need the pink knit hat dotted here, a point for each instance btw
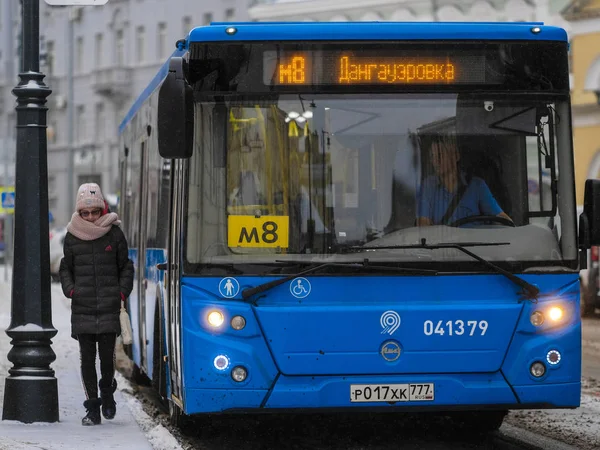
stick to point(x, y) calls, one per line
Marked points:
point(89, 195)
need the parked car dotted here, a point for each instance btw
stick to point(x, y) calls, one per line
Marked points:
point(57, 238)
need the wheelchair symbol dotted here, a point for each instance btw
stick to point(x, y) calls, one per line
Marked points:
point(300, 287)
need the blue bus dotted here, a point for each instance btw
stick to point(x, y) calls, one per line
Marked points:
point(358, 216)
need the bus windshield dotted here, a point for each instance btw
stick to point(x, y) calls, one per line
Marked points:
point(320, 177)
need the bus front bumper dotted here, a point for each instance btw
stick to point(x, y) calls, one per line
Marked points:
point(450, 392)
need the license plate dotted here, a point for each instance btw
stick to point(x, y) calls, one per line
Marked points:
point(391, 393)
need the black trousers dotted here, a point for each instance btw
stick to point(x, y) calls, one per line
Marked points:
point(105, 343)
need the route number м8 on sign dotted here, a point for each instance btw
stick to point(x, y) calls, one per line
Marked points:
point(258, 232)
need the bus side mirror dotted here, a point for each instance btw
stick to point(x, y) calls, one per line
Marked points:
point(175, 113)
point(589, 221)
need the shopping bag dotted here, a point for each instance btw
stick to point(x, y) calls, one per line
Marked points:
point(126, 332)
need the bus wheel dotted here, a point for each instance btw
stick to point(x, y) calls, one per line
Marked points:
point(481, 421)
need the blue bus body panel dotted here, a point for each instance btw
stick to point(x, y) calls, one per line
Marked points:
point(372, 31)
point(529, 345)
point(337, 328)
point(201, 345)
point(306, 352)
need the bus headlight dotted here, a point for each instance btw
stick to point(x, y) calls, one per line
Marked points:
point(556, 313)
point(215, 318)
point(553, 314)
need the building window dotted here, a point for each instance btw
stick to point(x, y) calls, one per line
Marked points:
point(207, 18)
point(161, 45)
point(229, 13)
point(81, 126)
point(100, 127)
point(79, 55)
point(120, 48)
point(50, 58)
point(186, 25)
point(98, 50)
point(139, 44)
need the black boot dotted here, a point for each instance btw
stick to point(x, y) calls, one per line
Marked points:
point(109, 407)
point(92, 406)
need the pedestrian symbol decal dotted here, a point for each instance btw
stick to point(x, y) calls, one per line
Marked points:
point(229, 287)
point(300, 287)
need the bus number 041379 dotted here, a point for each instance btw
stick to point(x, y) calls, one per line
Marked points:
point(456, 327)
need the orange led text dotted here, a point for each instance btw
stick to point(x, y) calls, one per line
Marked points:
point(390, 71)
point(293, 73)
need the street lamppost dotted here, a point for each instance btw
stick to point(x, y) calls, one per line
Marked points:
point(31, 391)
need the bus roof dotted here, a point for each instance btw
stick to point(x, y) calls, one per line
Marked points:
point(332, 31)
point(339, 31)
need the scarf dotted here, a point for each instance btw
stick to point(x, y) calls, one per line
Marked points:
point(89, 231)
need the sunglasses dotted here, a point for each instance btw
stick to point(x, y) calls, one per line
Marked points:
point(95, 212)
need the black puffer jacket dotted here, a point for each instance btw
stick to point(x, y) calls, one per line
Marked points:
point(94, 274)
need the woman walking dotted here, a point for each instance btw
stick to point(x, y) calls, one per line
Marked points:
point(96, 274)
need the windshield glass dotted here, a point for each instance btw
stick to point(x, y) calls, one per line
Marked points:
point(335, 176)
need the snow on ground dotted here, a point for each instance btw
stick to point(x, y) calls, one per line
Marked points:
point(70, 406)
point(158, 435)
point(578, 427)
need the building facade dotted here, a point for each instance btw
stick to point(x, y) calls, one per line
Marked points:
point(409, 10)
point(116, 49)
point(584, 19)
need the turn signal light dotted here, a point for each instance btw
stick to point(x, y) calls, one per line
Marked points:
point(238, 323)
point(537, 318)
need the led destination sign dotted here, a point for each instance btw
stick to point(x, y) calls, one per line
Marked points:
point(370, 68)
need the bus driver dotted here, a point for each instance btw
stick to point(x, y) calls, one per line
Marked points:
point(449, 195)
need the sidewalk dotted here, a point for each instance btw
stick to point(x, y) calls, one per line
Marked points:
point(121, 432)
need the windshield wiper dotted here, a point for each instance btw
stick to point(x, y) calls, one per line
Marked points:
point(248, 292)
point(529, 292)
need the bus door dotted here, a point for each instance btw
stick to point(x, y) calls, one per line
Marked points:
point(173, 280)
point(142, 276)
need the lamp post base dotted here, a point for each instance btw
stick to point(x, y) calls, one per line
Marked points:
point(30, 399)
